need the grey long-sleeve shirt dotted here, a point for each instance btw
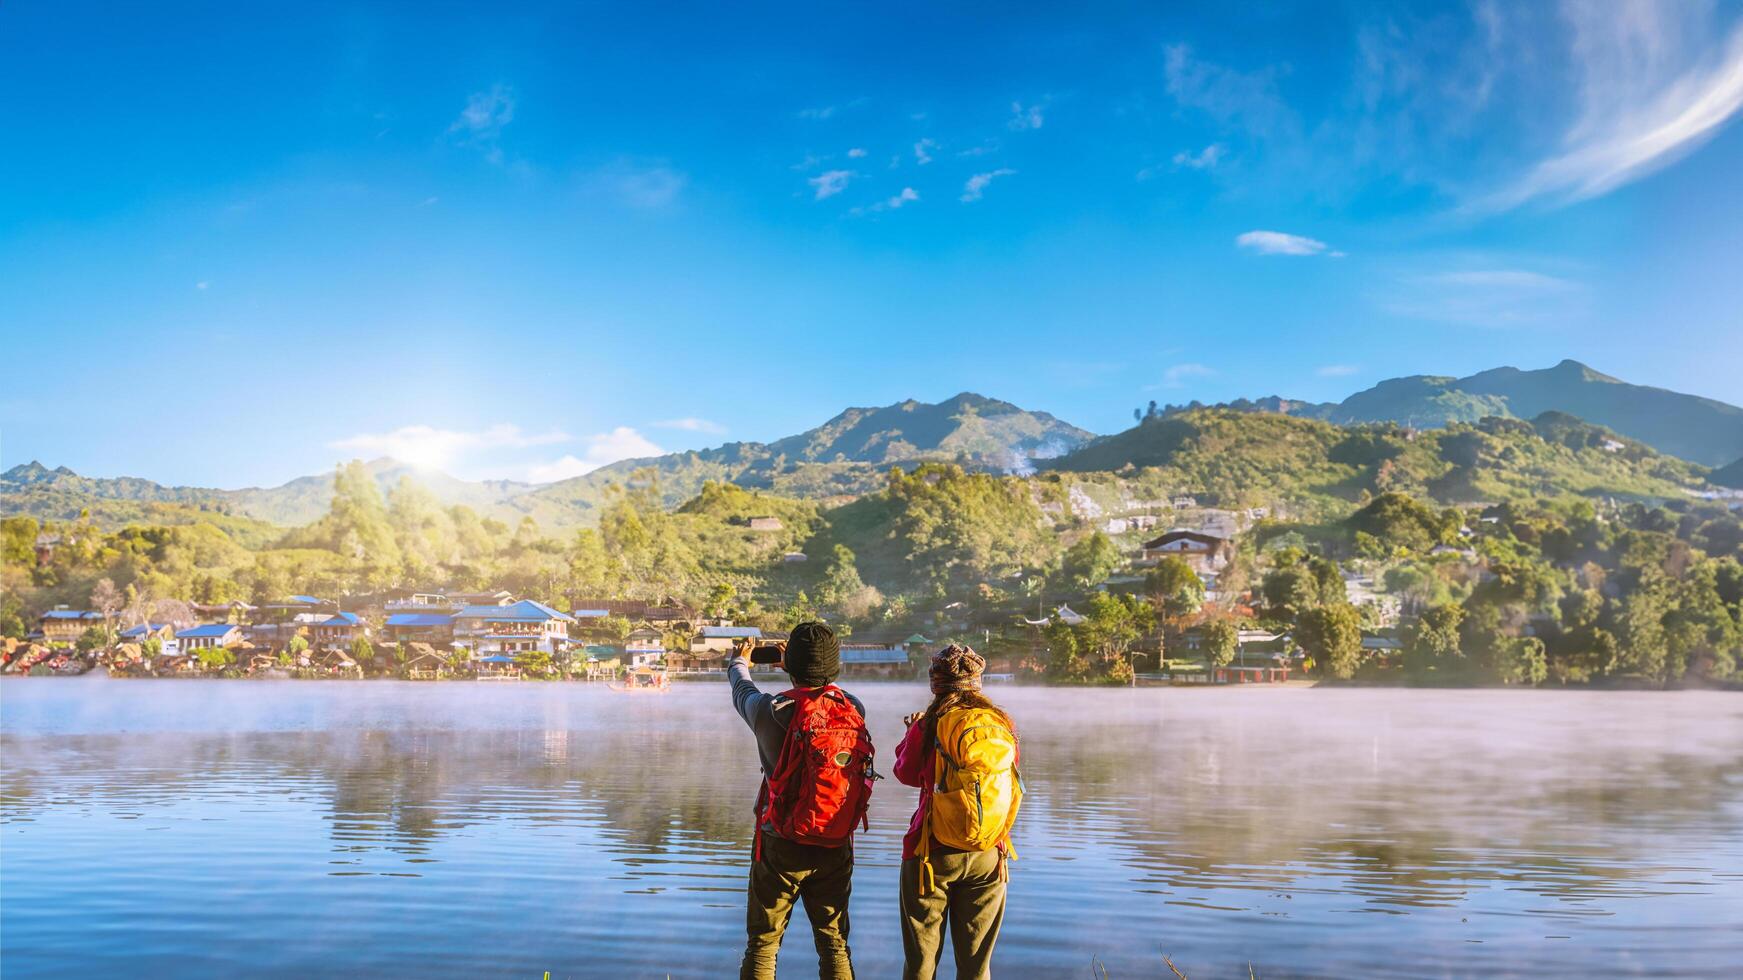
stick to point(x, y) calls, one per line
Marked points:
point(767, 715)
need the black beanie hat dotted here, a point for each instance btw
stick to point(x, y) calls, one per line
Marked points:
point(813, 656)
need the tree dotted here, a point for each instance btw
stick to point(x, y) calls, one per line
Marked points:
point(298, 647)
point(534, 662)
point(152, 648)
point(1090, 561)
point(1332, 636)
point(719, 599)
point(1289, 592)
point(215, 658)
point(1431, 644)
point(107, 600)
point(362, 652)
point(1221, 640)
point(1176, 588)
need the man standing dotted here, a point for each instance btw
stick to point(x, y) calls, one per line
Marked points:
point(817, 770)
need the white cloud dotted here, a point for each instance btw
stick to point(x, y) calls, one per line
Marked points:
point(1650, 94)
point(1202, 160)
point(433, 448)
point(1245, 99)
point(603, 449)
point(923, 151)
point(202, 285)
point(856, 153)
point(486, 113)
point(692, 424)
point(1026, 117)
point(830, 183)
point(1177, 375)
point(973, 188)
point(907, 196)
point(1283, 243)
point(1336, 370)
point(643, 186)
point(818, 113)
point(1497, 297)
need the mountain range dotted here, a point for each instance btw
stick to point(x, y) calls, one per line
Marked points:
point(1697, 429)
point(851, 453)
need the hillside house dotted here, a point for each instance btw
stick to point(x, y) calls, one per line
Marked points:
point(62, 627)
point(765, 524)
point(299, 610)
point(1207, 553)
point(887, 662)
point(663, 613)
point(46, 543)
point(505, 630)
point(645, 647)
point(433, 628)
point(710, 646)
point(501, 597)
point(421, 602)
point(339, 631)
point(207, 636)
point(163, 633)
point(234, 611)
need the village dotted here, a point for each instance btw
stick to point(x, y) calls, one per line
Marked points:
point(498, 635)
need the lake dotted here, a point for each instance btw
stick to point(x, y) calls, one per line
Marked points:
point(263, 829)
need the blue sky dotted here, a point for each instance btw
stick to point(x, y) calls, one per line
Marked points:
point(241, 242)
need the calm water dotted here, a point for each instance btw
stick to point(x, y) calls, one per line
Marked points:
point(223, 829)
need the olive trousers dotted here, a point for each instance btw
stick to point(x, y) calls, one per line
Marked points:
point(968, 893)
point(821, 878)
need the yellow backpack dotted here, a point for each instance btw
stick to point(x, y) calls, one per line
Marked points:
point(976, 787)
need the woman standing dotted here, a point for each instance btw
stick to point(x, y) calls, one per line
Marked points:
point(962, 754)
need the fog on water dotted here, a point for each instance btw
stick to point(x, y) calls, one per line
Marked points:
point(382, 828)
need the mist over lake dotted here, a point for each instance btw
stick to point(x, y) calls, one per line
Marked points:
point(282, 829)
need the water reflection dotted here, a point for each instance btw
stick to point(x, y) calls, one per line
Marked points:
point(459, 830)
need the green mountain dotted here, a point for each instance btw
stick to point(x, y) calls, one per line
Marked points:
point(1703, 430)
point(846, 456)
point(1235, 458)
point(1729, 475)
point(60, 494)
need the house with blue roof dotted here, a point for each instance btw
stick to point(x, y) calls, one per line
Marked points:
point(163, 633)
point(518, 627)
point(62, 627)
point(209, 635)
point(339, 631)
point(436, 629)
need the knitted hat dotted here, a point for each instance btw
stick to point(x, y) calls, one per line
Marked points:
point(813, 656)
point(955, 668)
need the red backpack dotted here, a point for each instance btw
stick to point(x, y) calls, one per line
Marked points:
point(822, 781)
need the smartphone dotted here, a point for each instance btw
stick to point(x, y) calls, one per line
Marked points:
point(765, 655)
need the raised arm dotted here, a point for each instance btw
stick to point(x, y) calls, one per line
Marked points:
point(746, 699)
point(913, 761)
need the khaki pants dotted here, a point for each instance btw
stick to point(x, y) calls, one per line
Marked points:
point(967, 891)
point(821, 878)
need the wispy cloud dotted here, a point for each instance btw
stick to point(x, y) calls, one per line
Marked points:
point(692, 424)
point(644, 186)
point(1336, 370)
point(1493, 297)
point(976, 185)
point(856, 152)
point(1026, 117)
point(1177, 375)
point(1246, 99)
point(923, 151)
point(1654, 88)
point(1283, 243)
point(427, 446)
point(202, 285)
point(481, 122)
point(825, 112)
point(830, 183)
point(486, 113)
point(1204, 159)
point(907, 196)
point(603, 449)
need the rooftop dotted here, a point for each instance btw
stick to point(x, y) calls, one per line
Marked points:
point(420, 619)
point(207, 630)
point(524, 611)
